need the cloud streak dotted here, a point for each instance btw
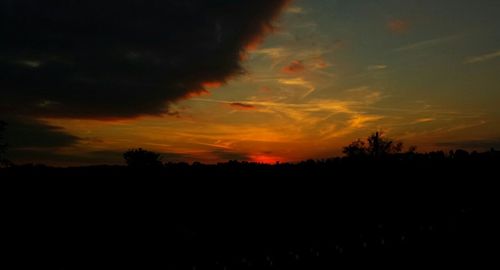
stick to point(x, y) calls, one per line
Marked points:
point(428, 43)
point(377, 67)
point(295, 10)
point(323, 119)
point(482, 58)
point(242, 106)
point(301, 82)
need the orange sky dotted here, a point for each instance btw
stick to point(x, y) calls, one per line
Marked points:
point(322, 79)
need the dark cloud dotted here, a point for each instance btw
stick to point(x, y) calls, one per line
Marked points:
point(31, 141)
point(31, 134)
point(242, 106)
point(54, 158)
point(116, 59)
point(472, 144)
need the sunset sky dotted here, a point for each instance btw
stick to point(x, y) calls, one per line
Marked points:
point(255, 80)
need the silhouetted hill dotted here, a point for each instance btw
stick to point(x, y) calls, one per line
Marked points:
point(401, 211)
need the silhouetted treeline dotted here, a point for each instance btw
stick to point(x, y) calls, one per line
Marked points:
point(405, 209)
point(148, 167)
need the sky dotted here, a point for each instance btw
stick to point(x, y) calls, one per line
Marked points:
point(254, 80)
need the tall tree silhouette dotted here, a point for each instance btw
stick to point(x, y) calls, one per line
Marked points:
point(379, 146)
point(140, 158)
point(376, 146)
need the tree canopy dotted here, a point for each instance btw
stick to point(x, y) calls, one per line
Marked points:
point(375, 146)
point(140, 158)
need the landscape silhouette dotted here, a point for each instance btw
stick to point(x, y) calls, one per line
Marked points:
point(249, 134)
point(376, 206)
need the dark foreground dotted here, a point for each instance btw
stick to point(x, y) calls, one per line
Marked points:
point(314, 215)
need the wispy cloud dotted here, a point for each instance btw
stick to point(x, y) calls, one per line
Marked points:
point(424, 120)
point(299, 82)
point(279, 55)
point(324, 119)
point(482, 58)
point(275, 53)
point(242, 106)
point(30, 63)
point(377, 67)
point(428, 43)
point(319, 63)
point(295, 10)
point(296, 66)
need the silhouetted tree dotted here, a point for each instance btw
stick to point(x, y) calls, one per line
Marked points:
point(379, 146)
point(376, 146)
point(140, 158)
point(355, 149)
